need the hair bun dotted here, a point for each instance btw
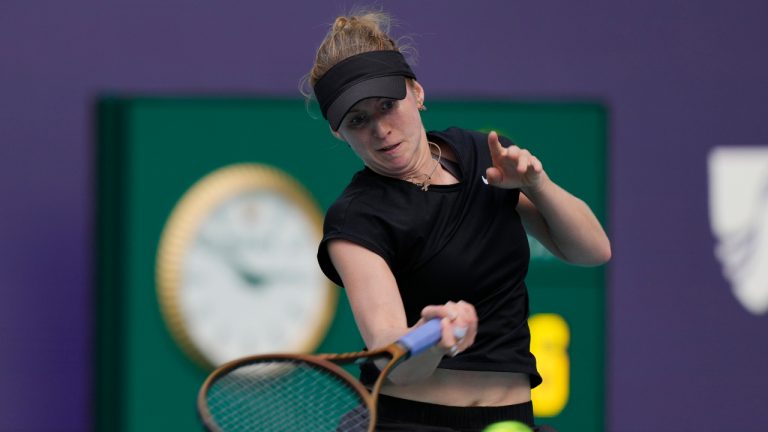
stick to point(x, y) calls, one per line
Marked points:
point(340, 23)
point(352, 34)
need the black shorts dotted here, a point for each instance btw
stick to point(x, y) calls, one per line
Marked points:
point(395, 414)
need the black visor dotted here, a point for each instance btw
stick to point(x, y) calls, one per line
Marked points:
point(362, 76)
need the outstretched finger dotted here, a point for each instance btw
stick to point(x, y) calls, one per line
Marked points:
point(494, 145)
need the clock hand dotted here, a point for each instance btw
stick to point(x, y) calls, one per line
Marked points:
point(249, 276)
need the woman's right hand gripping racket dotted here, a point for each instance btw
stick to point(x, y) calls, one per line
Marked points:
point(295, 392)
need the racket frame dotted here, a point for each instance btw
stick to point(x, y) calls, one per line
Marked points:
point(414, 342)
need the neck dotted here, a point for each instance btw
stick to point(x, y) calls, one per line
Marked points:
point(424, 180)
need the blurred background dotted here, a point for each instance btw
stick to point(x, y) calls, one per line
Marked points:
point(684, 85)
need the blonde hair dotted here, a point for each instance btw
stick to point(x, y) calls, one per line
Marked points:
point(352, 34)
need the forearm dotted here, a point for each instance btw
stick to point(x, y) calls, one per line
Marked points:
point(569, 223)
point(380, 316)
point(416, 368)
point(458, 326)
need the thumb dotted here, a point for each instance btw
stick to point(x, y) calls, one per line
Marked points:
point(493, 175)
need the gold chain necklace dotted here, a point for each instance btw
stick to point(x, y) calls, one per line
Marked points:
point(424, 185)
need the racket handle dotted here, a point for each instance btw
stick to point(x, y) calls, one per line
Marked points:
point(422, 337)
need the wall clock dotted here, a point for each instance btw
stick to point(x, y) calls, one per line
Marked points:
point(237, 273)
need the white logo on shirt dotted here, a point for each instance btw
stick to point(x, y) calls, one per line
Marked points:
point(485, 180)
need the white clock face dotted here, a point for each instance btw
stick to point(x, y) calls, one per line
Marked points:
point(250, 280)
point(237, 267)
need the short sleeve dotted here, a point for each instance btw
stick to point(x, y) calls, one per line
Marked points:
point(354, 221)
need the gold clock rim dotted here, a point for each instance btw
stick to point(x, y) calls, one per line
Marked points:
point(184, 223)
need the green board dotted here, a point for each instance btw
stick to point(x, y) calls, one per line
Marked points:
point(152, 150)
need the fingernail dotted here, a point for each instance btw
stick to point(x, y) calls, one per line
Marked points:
point(459, 332)
point(453, 351)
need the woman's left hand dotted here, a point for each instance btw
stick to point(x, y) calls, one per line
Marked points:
point(513, 167)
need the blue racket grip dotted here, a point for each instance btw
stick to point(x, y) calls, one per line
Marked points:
point(422, 337)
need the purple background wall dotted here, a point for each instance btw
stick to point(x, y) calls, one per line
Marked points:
point(678, 77)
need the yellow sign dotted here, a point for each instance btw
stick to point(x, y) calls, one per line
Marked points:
point(550, 337)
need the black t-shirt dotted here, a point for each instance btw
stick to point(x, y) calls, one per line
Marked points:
point(453, 242)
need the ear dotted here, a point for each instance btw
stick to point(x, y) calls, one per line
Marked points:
point(418, 92)
point(336, 134)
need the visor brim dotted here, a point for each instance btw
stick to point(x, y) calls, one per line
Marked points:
point(392, 87)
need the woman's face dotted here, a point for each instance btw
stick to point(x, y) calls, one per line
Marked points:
point(387, 134)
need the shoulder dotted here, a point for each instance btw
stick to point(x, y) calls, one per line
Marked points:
point(459, 136)
point(354, 216)
point(372, 206)
point(372, 212)
point(470, 146)
point(465, 142)
point(361, 195)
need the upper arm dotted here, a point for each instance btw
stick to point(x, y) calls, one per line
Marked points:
point(535, 225)
point(372, 292)
point(568, 229)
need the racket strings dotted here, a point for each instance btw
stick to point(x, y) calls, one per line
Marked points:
point(288, 395)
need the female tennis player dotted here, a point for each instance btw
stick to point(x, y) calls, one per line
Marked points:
point(434, 226)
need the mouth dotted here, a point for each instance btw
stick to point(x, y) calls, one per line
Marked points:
point(389, 149)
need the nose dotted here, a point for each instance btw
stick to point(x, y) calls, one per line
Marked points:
point(381, 128)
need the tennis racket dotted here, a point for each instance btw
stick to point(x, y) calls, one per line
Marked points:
point(296, 392)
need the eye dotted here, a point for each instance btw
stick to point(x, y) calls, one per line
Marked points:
point(388, 104)
point(357, 120)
